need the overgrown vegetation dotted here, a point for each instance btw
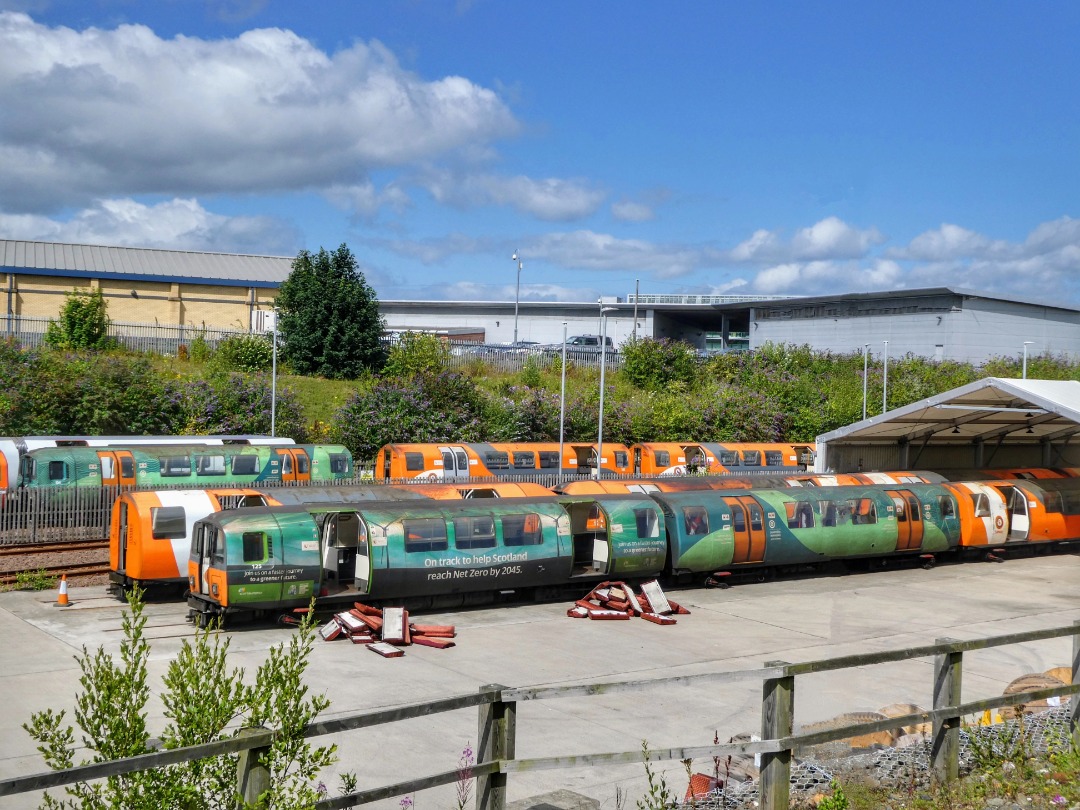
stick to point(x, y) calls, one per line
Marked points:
point(83, 322)
point(205, 700)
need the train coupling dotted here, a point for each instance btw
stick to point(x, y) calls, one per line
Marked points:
point(928, 561)
point(718, 579)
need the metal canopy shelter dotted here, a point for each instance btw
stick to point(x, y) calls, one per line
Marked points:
point(993, 422)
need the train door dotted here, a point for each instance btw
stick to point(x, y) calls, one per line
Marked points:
point(202, 550)
point(295, 464)
point(1019, 519)
point(117, 468)
point(909, 522)
point(455, 462)
point(637, 459)
point(122, 534)
point(342, 534)
point(748, 526)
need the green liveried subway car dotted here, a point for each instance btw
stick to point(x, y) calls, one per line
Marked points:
point(427, 552)
point(183, 465)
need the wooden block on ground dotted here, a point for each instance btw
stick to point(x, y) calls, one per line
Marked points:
point(609, 614)
point(385, 650)
point(656, 618)
point(331, 630)
point(393, 625)
point(363, 638)
point(439, 630)
point(367, 610)
point(578, 612)
point(351, 622)
point(433, 641)
point(655, 596)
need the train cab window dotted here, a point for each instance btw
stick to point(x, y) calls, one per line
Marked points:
point(729, 458)
point(621, 458)
point(648, 525)
point(751, 458)
point(168, 522)
point(800, 515)
point(981, 504)
point(245, 465)
point(425, 534)
point(695, 520)
point(498, 461)
point(663, 458)
point(774, 458)
point(209, 465)
point(474, 532)
point(175, 466)
point(58, 471)
point(549, 459)
point(524, 461)
point(414, 462)
point(522, 530)
point(303, 463)
point(217, 547)
point(948, 509)
point(257, 547)
point(339, 464)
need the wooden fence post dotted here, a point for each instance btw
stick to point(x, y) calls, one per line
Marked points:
point(1074, 714)
point(495, 735)
point(252, 776)
point(945, 747)
point(777, 719)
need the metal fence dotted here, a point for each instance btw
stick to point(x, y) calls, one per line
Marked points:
point(136, 337)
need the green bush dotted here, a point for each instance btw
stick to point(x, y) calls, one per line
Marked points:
point(83, 323)
point(416, 353)
point(244, 353)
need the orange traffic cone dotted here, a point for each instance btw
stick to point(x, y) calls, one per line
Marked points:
point(62, 598)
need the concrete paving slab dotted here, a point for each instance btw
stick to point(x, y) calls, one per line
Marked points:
point(536, 644)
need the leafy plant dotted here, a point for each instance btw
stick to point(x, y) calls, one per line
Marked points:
point(244, 353)
point(83, 322)
point(659, 796)
point(39, 580)
point(837, 801)
point(416, 353)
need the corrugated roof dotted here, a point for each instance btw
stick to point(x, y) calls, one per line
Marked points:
point(57, 258)
point(1019, 411)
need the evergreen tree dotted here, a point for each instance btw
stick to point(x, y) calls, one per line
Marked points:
point(329, 317)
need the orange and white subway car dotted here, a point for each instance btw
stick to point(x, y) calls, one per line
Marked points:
point(451, 461)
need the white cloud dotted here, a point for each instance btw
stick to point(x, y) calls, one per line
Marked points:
point(831, 238)
point(628, 211)
point(176, 224)
point(101, 113)
point(949, 242)
point(552, 199)
point(365, 200)
point(601, 251)
point(472, 291)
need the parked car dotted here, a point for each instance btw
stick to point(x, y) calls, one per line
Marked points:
point(579, 347)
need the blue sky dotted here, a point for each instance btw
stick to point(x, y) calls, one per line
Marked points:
point(697, 147)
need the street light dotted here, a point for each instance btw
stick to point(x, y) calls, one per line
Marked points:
point(517, 293)
point(603, 365)
point(865, 354)
point(885, 379)
point(562, 402)
point(1023, 374)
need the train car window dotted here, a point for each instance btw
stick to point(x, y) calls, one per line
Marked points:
point(751, 458)
point(286, 463)
point(621, 458)
point(864, 511)
point(549, 460)
point(168, 522)
point(800, 515)
point(474, 532)
point(303, 463)
point(127, 467)
point(414, 462)
point(525, 461)
point(900, 508)
point(729, 458)
point(339, 464)
point(256, 547)
point(57, 471)
point(830, 518)
point(981, 504)
point(498, 461)
point(774, 458)
point(695, 520)
point(1069, 502)
point(175, 466)
point(948, 509)
point(663, 458)
point(425, 534)
point(245, 465)
point(522, 530)
point(738, 519)
point(916, 513)
point(209, 465)
point(218, 546)
point(756, 522)
point(647, 523)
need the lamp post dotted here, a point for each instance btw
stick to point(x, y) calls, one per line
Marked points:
point(1023, 374)
point(865, 355)
point(885, 379)
point(273, 379)
point(562, 402)
point(603, 365)
point(517, 293)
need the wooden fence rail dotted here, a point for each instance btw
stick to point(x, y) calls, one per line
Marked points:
point(497, 727)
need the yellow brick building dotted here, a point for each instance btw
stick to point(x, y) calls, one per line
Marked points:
point(141, 285)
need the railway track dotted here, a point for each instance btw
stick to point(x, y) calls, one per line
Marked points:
point(52, 548)
point(71, 569)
